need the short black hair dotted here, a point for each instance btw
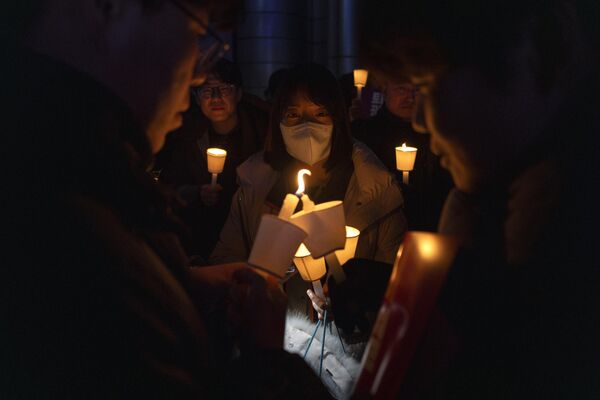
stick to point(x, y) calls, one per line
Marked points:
point(322, 88)
point(228, 72)
point(275, 80)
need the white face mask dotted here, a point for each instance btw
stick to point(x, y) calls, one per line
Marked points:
point(308, 142)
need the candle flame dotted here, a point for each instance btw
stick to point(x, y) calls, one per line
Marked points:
point(404, 146)
point(301, 186)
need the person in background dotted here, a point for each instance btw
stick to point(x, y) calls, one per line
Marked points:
point(98, 301)
point(516, 124)
point(309, 129)
point(274, 82)
point(219, 117)
point(429, 184)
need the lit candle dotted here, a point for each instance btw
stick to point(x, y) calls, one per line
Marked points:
point(360, 79)
point(216, 160)
point(291, 200)
point(307, 203)
point(405, 160)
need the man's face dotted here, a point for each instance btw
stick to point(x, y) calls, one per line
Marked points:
point(218, 100)
point(478, 128)
point(400, 99)
point(155, 54)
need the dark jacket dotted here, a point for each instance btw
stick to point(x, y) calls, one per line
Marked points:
point(182, 164)
point(95, 299)
point(519, 314)
point(428, 182)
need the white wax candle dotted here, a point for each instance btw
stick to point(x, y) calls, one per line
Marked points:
point(307, 203)
point(289, 205)
point(213, 180)
point(405, 177)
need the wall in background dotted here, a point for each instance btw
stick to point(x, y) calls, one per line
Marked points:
point(277, 34)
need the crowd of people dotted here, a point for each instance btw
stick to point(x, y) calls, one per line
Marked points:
point(125, 272)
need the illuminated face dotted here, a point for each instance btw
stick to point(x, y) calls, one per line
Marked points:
point(301, 110)
point(218, 100)
point(400, 99)
point(479, 127)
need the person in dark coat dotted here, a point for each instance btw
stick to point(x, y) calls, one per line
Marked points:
point(221, 116)
point(428, 183)
point(509, 94)
point(97, 297)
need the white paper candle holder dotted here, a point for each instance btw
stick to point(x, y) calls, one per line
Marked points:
point(310, 269)
point(405, 160)
point(275, 245)
point(325, 226)
point(349, 249)
point(360, 79)
point(216, 160)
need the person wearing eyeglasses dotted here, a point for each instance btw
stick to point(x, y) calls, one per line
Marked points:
point(429, 184)
point(220, 116)
point(98, 301)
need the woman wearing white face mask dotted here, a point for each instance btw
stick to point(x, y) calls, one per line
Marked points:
point(309, 129)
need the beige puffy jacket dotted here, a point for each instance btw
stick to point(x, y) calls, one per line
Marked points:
point(372, 204)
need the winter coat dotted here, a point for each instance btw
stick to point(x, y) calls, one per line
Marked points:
point(96, 300)
point(372, 204)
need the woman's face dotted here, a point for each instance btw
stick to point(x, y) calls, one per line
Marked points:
point(307, 130)
point(301, 110)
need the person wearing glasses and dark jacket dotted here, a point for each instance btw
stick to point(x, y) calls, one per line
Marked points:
point(221, 116)
point(98, 301)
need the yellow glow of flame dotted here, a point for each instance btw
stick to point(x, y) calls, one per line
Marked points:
point(216, 152)
point(406, 148)
point(301, 186)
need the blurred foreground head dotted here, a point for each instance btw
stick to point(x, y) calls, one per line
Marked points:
point(147, 52)
point(492, 75)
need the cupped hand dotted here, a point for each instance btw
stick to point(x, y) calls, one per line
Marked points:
point(209, 194)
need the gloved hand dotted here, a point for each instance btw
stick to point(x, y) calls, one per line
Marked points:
point(356, 300)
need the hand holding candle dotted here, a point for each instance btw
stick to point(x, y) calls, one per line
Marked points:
point(405, 160)
point(216, 161)
point(360, 79)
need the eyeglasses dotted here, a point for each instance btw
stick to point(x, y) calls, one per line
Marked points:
point(403, 91)
point(212, 46)
point(205, 92)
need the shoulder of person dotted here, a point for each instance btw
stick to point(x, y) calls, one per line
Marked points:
point(367, 166)
point(255, 171)
point(370, 173)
